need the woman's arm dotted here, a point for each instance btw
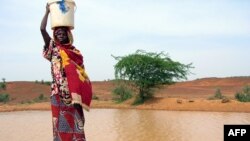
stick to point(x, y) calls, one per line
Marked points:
point(45, 34)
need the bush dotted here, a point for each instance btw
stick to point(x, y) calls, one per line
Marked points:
point(244, 95)
point(47, 83)
point(217, 95)
point(121, 93)
point(141, 98)
point(40, 98)
point(4, 98)
point(3, 85)
point(94, 97)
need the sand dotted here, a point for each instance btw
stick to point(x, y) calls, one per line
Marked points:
point(169, 104)
point(182, 96)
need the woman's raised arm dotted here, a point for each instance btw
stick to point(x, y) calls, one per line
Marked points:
point(44, 32)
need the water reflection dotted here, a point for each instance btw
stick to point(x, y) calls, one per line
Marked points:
point(141, 125)
point(125, 125)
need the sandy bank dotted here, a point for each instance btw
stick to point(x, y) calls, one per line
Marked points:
point(169, 104)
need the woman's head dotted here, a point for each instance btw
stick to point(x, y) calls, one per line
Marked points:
point(61, 35)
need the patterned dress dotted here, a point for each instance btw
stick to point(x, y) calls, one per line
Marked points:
point(68, 119)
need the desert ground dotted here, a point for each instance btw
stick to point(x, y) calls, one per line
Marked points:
point(182, 96)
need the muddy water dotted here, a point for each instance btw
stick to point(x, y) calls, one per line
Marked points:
point(125, 125)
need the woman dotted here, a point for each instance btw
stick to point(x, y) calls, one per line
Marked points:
point(70, 89)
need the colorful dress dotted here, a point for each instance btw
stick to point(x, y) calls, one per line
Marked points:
point(70, 91)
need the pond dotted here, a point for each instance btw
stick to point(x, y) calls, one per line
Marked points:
point(125, 125)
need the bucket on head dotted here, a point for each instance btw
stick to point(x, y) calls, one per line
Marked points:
point(62, 13)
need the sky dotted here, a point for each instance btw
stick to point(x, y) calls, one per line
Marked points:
point(214, 35)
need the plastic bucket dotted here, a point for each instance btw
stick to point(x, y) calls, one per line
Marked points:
point(62, 14)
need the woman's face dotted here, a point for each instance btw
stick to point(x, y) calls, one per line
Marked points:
point(61, 35)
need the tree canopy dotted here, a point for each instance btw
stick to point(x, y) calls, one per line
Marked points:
point(148, 70)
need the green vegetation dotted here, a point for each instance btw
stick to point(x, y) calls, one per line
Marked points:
point(4, 80)
point(217, 95)
point(43, 82)
point(121, 93)
point(94, 97)
point(244, 95)
point(4, 98)
point(27, 102)
point(2, 86)
point(148, 70)
point(40, 98)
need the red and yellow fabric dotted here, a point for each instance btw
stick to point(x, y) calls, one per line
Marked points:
point(78, 82)
point(79, 85)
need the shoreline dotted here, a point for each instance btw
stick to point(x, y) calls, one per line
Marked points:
point(167, 104)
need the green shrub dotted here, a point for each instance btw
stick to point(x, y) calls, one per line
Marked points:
point(94, 97)
point(138, 100)
point(122, 93)
point(47, 83)
point(217, 95)
point(40, 98)
point(141, 98)
point(2, 85)
point(4, 98)
point(244, 95)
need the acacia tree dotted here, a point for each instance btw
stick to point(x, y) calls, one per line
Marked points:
point(147, 70)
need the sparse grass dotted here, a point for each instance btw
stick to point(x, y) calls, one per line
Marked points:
point(27, 102)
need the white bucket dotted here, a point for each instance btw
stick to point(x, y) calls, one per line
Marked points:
point(59, 17)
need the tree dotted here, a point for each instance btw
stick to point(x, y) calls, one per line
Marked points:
point(147, 70)
point(3, 80)
point(3, 84)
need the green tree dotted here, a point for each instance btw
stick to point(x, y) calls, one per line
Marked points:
point(3, 80)
point(147, 70)
point(3, 84)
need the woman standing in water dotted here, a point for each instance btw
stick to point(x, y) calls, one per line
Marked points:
point(71, 89)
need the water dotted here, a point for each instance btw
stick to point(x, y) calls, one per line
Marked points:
point(125, 125)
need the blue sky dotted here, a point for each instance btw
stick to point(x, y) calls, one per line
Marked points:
point(214, 35)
